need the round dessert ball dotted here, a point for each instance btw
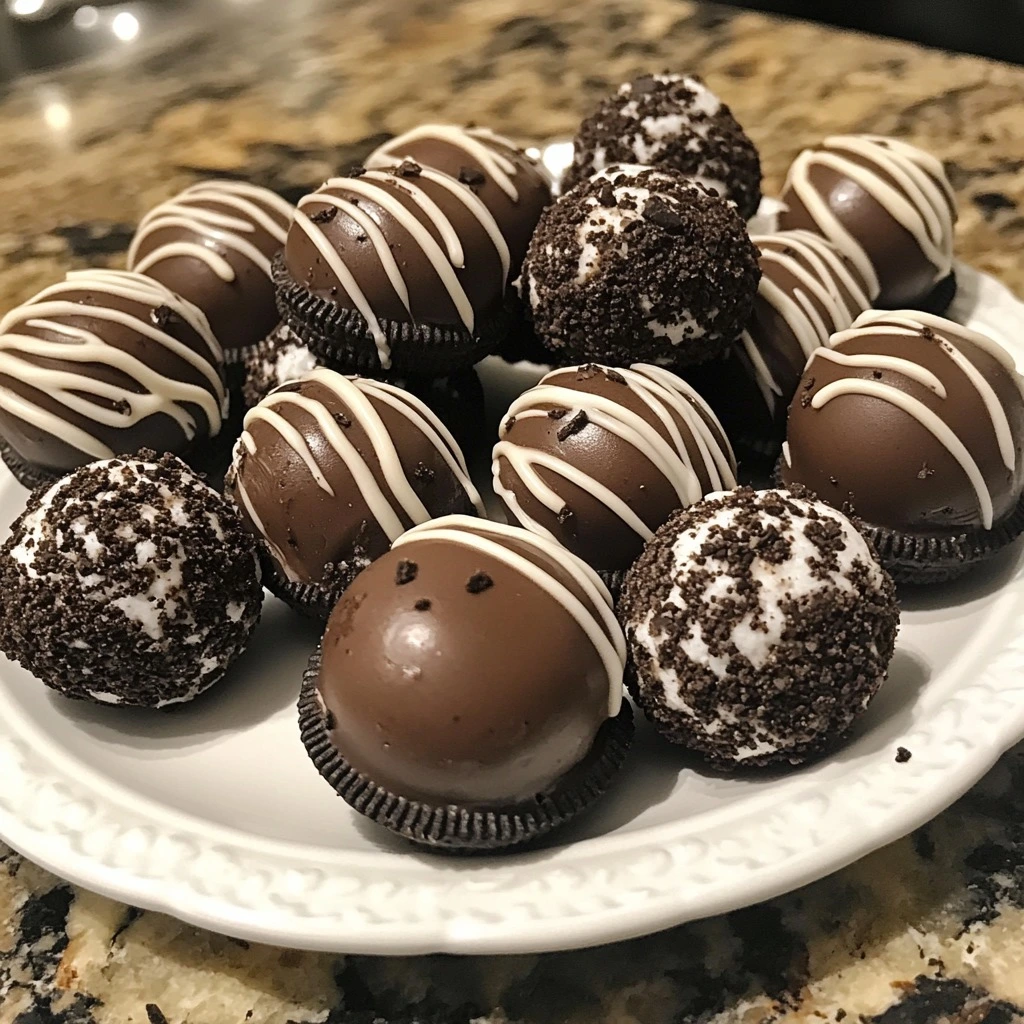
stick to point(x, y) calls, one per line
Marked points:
point(760, 625)
point(330, 470)
point(598, 458)
point(674, 122)
point(640, 264)
point(398, 268)
point(888, 207)
point(129, 582)
point(917, 424)
point(212, 244)
point(808, 291)
point(105, 363)
point(514, 187)
point(416, 719)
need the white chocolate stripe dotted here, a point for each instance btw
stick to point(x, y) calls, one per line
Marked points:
point(873, 361)
point(346, 280)
point(596, 621)
point(472, 141)
point(928, 419)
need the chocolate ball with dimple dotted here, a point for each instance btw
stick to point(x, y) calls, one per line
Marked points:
point(808, 291)
point(331, 469)
point(513, 186)
point(417, 722)
point(889, 208)
point(398, 268)
point(212, 244)
point(917, 424)
point(105, 363)
point(760, 626)
point(598, 458)
point(129, 582)
point(639, 264)
point(673, 122)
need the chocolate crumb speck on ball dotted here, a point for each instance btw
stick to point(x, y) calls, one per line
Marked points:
point(129, 582)
point(760, 626)
point(637, 263)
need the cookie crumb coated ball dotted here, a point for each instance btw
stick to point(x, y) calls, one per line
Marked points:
point(640, 264)
point(760, 625)
point(888, 207)
point(598, 458)
point(469, 691)
point(330, 470)
point(674, 122)
point(129, 582)
point(513, 186)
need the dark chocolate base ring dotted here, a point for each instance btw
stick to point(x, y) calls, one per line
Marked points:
point(455, 829)
point(342, 337)
point(313, 600)
point(28, 474)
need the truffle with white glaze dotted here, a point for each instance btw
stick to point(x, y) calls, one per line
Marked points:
point(674, 122)
point(129, 582)
point(639, 264)
point(888, 207)
point(760, 625)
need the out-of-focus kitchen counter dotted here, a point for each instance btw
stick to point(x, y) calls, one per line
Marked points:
point(283, 93)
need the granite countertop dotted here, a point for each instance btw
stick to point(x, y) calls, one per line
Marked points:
point(930, 929)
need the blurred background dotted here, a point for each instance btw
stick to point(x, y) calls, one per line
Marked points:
point(38, 34)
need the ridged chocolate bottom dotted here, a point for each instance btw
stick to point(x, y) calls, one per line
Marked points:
point(28, 474)
point(454, 828)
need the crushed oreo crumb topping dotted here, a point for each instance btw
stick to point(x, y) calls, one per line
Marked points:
point(406, 572)
point(324, 216)
point(574, 426)
point(903, 755)
point(478, 583)
point(422, 605)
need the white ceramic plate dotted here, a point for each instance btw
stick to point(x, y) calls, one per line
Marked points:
point(214, 814)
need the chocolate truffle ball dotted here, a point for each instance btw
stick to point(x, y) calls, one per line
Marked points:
point(640, 264)
point(513, 186)
point(808, 291)
point(599, 458)
point(436, 735)
point(760, 625)
point(105, 363)
point(399, 268)
point(674, 122)
point(330, 470)
point(887, 206)
point(130, 582)
point(212, 244)
point(917, 424)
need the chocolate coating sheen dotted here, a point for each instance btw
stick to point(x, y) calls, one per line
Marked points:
point(887, 205)
point(637, 263)
point(513, 186)
point(106, 363)
point(331, 469)
point(932, 444)
point(406, 244)
point(599, 458)
point(212, 244)
point(453, 677)
point(671, 122)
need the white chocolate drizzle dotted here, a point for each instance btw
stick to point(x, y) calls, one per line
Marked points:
point(479, 144)
point(922, 200)
point(825, 282)
point(381, 188)
point(254, 209)
point(595, 616)
point(110, 405)
point(670, 401)
point(386, 505)
point(948, 337)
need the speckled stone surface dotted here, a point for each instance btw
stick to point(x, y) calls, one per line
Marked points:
point(930, 929)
